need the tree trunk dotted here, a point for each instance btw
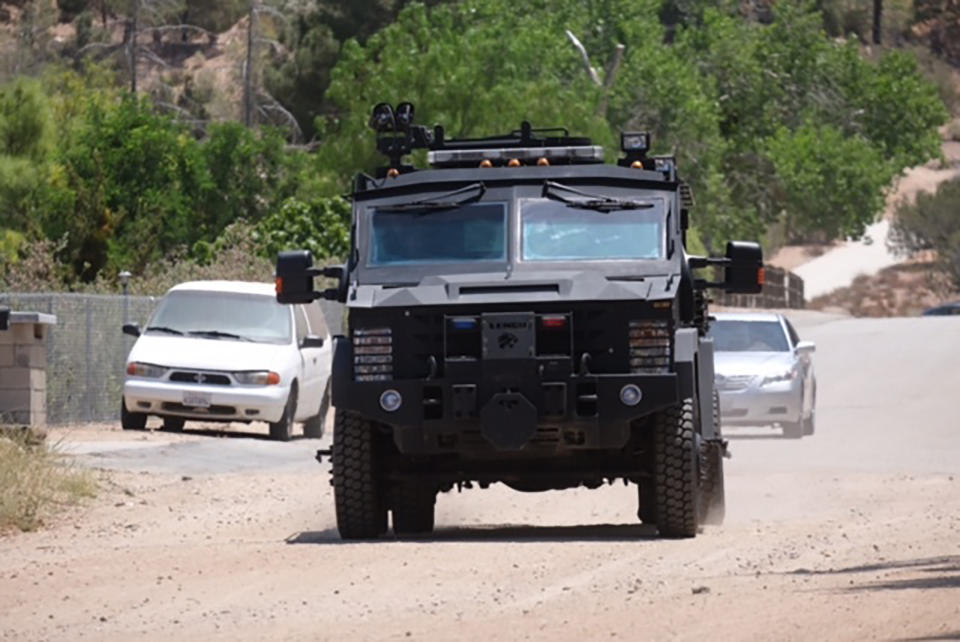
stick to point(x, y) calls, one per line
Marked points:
point(877, 21)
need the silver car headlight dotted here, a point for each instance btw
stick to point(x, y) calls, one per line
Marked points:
point(257, 377)
point(147, 370)
point(780, 377)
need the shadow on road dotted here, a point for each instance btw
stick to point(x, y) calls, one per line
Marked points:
point(927, 573)
point(501, 533)
point(228, 433)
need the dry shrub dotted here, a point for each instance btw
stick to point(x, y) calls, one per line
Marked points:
point(36, 481)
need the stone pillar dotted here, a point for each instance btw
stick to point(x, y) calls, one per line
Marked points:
point(23, 368)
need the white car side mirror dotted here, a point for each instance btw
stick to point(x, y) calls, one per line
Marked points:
point(806, 347)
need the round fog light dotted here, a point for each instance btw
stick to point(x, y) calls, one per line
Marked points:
point(390, 400)
point(630, 395)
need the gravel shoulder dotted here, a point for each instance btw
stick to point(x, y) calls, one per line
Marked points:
point(848, 535)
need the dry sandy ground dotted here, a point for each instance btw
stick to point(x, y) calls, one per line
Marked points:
point(851, 534)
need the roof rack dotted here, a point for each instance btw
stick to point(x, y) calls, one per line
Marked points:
point(398, 136)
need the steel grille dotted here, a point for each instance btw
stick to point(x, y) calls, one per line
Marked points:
point(650, 344)
point(372, 354)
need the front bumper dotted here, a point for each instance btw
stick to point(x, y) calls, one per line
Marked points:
point(226, 403)
point(443, 416)
point(762, 405)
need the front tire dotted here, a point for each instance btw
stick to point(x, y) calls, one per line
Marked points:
point(713, 495)
point(174, 424)
point(676, 471)
point(131, 420)
point(282, 430)
point(357, 488)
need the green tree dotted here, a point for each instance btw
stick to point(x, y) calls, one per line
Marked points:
point(321, 226)
point(831, 185)
point(932, 222)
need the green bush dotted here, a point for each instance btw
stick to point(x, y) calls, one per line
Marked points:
point(932, 222)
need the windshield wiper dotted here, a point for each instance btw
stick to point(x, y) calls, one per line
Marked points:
point(162, 328)
point(432, 204)
point(597, 202)
point(217, 334)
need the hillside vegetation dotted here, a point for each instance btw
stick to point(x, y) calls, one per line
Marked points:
point(138, 134)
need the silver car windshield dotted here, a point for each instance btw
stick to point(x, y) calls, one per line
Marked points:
point(467, 233)
point(748, 336)
point(218, 315)
point(555, 231)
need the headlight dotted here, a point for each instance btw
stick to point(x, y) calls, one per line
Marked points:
point(780, 377)
point(257, 377)
point(372, 354)
point(148, 370)
point(650, 346)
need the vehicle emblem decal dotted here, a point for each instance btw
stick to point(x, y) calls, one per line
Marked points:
point(507, 340)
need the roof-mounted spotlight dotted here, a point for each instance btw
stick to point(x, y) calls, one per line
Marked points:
point(383, 119)
point(404, 116)
point(635, 142)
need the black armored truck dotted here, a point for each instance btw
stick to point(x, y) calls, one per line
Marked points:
point(521, 312)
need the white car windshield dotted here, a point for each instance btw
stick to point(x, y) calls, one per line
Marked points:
point(748, 336)
point(554, 231)
point(223, 315)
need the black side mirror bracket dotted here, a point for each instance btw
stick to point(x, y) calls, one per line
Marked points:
point(295, 274)
point(742, 266)
point(131, 329)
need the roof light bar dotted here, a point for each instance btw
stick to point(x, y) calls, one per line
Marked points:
point(584, 153)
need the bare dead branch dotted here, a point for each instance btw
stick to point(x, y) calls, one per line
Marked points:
point(594, 76)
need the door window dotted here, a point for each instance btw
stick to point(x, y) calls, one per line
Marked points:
point(318, 323)
point(301, 323)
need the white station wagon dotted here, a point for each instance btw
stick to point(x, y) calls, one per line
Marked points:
point(227, 351)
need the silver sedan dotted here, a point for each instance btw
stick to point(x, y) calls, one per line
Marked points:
point(764, 373)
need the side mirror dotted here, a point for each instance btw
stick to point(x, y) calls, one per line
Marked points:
point(131, 329)
point(4, 318)
point(312, 341)
point(744, 271)
point(295, 277)
point(806, 347)
point(295, 274)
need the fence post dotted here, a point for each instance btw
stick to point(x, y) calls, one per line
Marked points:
point(88, 354)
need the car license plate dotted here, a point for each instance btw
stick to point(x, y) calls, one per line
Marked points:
point(196, 399)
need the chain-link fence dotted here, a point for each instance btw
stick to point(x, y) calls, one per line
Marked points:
point(86, 350)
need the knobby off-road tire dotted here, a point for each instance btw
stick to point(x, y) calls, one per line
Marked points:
point(357, 489)
point(131, 420)
point(676, 471)
point(313, 427)
point(282, 430)
point(713, 496)
point(413, 509)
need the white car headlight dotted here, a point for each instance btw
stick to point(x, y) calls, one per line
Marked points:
point(780, 377)
point(257, 377)
point(148, 370)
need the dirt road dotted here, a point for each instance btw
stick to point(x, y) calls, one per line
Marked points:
point(852, 534)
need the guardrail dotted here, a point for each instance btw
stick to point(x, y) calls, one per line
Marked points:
point(782, 290)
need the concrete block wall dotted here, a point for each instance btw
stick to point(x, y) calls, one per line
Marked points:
point(23, 369)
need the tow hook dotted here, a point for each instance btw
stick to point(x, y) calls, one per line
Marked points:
point(323, 453)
